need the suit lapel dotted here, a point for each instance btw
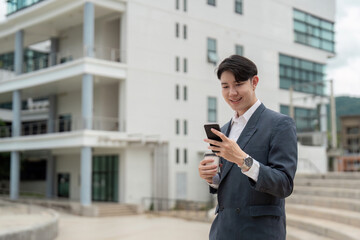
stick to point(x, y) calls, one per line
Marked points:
point(244, 137)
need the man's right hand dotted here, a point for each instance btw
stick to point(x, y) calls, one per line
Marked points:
point(207, 172)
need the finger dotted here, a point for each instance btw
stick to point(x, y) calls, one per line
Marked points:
point(220, 134)
point(214, 142)
point(207, 167)
point(206, 161)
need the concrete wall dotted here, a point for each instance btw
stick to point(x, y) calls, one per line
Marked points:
point(69, 163)
point(312, 159)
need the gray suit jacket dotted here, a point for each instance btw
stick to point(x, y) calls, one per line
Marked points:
point(256, 210)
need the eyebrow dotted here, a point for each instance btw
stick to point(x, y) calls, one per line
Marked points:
point(224, 83)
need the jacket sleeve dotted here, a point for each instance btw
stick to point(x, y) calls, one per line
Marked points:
point(277, 176)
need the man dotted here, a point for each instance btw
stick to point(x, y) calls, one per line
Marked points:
point(259, 157)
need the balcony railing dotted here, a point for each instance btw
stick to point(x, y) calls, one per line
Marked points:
point(61, 125)
point(17, 5)
point(46, 61)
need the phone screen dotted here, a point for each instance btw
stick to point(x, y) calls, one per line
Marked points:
point(210, 134)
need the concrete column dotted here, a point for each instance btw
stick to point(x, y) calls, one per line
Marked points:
point(123, 37)
point(54, 48)
point(14, 175)
point(87, 96)
point(89, 29)
point(50, 172)
point(52, 114)
point(16, 122)
point(122, 106)
point(86, 172)
point(323, 123)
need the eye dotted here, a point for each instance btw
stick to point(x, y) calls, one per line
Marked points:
point(225, 87)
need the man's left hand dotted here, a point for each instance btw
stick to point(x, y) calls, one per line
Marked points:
point(227, 149)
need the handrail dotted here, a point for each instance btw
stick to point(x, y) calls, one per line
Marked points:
point(62, 125)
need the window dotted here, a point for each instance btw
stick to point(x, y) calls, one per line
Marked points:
point(212, 109)
point(239, 6)
point(177, 29)
point(177, 4)
point(352, 130)
point(185, 31)
point(185, 65)
point(211, 52)
point(211, 2)
point(177, 126)
point(65, 123)
point(185, 127)
point(306, 119)
point(185, 156)
point(313, 31)
point(185, 93)
point(177, 64)
point(177, 92)
point(305, 76)
point(177, 152)
point(239, 50)
point(185, 5)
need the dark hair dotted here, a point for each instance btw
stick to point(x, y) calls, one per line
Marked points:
point(242, 68)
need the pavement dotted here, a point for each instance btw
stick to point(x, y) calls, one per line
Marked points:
point(137, 227)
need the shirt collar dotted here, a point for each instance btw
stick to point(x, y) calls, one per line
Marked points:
point(247, 115)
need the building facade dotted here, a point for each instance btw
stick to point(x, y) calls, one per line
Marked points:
point(116, 112)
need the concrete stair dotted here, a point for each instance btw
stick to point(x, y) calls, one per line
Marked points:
point(324, 207)
point(114, 209)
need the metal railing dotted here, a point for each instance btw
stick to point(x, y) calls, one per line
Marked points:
point(194, 210)
point(52, 59)
point(17, 5)
point(62, 125)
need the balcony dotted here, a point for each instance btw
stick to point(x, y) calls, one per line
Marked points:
point(17, 5)
point(47, 60)
point(61, 125)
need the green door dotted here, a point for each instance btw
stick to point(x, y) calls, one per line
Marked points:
point(105, 178)
point(63, 185)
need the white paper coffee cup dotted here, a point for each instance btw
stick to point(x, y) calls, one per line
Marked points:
point(213, 157)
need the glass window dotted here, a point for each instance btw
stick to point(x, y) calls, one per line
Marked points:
point(177, 92)
point(239, 6)
point(177, 28)
point(177, 126)
point(185, 31)
point(177, 4)
point(177, 155)
point(185, 127)
point(239, 50)
point(212, 109)
point(298, 72)
point(185, 5)
point(211, 2)
point(185, 156)
point(211, 53)
point(185, 93)
point(177, 64)
point(185, 65)
point(313, 31)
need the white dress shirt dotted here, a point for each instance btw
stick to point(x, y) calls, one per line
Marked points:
point(238, 124)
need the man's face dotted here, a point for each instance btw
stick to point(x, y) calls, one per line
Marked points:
point(239, 95)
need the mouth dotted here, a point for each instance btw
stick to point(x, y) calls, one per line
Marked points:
point(235, 101)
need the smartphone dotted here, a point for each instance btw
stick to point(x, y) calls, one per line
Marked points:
point(210, 134)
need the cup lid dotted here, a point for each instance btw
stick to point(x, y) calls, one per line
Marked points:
point(209, 154)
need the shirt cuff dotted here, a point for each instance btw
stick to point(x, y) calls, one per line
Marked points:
point(216, 186)
point(253, 172)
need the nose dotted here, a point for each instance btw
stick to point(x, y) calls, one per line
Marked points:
point(233, 92)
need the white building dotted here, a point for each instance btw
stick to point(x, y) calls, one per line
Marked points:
point(113, 110)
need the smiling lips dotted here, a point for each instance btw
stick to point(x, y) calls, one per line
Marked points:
point(235, 101)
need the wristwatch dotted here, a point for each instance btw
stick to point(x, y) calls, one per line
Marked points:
point(248, 162)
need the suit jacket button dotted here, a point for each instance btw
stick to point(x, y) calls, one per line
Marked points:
point(238, 210)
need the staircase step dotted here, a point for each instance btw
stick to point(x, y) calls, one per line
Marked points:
point(298, 234)
point(323, 227)
point(328, 192)
point(332, 183)
point(337, 203)
point(336, 215)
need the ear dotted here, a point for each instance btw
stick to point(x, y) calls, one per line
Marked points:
point(255, 81)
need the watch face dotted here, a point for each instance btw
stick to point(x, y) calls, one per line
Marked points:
point(248, 161)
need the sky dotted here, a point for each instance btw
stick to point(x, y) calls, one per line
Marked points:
point(344, 68)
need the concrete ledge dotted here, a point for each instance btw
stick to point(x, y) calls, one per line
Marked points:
point(30, 225)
